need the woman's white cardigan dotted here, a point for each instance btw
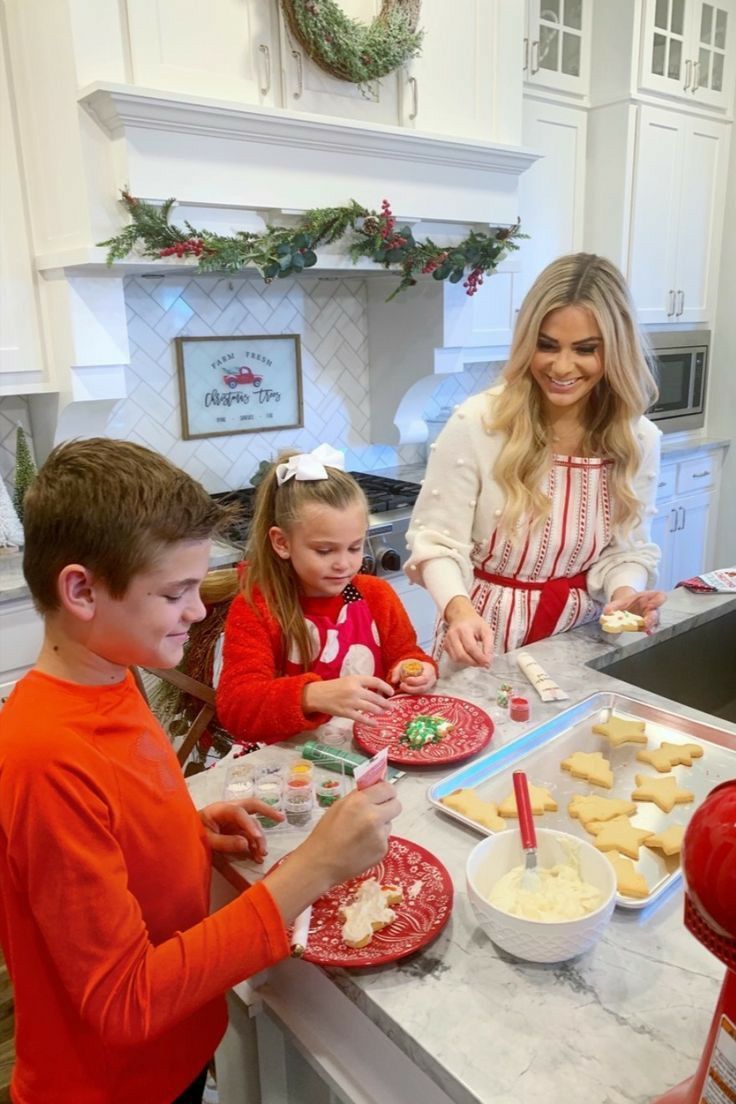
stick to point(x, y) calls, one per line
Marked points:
point(461, 503)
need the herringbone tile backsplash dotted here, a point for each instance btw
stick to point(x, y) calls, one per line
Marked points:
point(330, 316)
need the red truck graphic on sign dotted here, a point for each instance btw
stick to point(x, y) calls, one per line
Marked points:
point(244, 375)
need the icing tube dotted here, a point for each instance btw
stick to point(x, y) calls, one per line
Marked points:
point(300, 933)
point(540, 680)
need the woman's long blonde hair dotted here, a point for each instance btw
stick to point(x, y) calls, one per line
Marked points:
point(625, 392)
point(284, 506)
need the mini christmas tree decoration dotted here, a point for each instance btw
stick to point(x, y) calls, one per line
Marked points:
point(25, 470)
point(11, 530)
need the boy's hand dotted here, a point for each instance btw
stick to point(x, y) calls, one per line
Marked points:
point(357, 697)
point(414, 684)
point(231, 830)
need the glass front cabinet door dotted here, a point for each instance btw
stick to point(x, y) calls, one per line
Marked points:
point(688, 49)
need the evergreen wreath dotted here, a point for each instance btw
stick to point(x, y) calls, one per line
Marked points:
point(280, 251)
point(348, 49)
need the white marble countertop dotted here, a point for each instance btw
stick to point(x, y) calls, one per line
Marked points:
point(618, 1024)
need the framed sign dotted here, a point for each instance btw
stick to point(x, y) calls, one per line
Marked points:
point(239, 384)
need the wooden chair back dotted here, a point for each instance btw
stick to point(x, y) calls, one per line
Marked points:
point(198, 690)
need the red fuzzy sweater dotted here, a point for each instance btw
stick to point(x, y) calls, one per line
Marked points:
point(254, 700)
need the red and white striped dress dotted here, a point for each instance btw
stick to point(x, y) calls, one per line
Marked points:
point(575, 533)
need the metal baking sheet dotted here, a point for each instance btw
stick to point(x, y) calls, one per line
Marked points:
point(541, 750)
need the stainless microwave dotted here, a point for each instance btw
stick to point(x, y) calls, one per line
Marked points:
point(679, 361)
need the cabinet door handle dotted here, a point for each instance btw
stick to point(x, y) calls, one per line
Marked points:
point(263, 49)
point(700, 475)
point(534, 57)
point(299, 73)
point(525, 56)
point(673, 526)
point(670, 303)
point(688, 74)
point(680, 303)
point(696, 76)
point(681, 527)
point(662, 483)
point(414, 98)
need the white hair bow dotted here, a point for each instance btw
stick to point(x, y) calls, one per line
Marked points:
point(310, 465)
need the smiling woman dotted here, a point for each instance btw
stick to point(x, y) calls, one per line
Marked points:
point(538, 497)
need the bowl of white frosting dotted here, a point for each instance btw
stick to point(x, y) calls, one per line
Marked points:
point(562, 914)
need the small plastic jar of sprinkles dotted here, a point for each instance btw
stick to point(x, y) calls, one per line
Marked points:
point(328, 791)
point(269, 791)
point(298, 801)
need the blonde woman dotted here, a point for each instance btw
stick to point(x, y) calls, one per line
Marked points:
point(539, 493)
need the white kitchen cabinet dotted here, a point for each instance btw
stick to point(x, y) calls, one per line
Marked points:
point(224, 50)
point(309, 88)
point(420, 607)
point(21, 635)
point(677, 202)
point(684, 526)
point(688, 49)
point(552, 191)
point(21, 350)
point(556, 48)
point(655, 202)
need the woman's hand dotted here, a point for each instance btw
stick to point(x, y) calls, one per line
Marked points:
point(469, 639)
point(231, 830)
point(414, 684)
point(357, 697)
point(644, 603)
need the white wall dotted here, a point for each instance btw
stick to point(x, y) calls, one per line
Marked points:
point(721, 420)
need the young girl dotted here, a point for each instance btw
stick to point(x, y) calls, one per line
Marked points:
point(308, 638)
point(539, 493)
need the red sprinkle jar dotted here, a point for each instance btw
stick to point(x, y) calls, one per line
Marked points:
point(519, 709)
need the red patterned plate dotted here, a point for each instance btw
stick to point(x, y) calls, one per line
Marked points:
point(420, 917)
point(471, 731)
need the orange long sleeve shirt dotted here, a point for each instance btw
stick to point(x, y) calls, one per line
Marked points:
point(118, 971)
point(255, 700)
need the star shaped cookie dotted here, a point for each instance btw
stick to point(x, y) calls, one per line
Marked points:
point(664, 792)
point(669, 841)
point(590, 765)
point(541, 802)
point(628, 879)
point(468, 804)
point(620, 835)
point(590, 807)
point(667, 756)
point(619, 731)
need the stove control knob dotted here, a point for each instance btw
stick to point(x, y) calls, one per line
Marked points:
point(389, 559)
point(368, 566)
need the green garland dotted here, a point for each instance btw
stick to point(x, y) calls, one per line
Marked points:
point(348, 49)
point(281, 251)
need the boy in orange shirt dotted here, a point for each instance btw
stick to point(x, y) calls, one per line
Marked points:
point(118, 970)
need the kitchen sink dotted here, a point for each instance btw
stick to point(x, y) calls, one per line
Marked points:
point(697, 667)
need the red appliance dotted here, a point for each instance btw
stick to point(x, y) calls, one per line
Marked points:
point(709, 869)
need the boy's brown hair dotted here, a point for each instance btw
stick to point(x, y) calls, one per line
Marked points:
point(111, 506)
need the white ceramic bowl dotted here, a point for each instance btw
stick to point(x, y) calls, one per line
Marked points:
point(538, 940)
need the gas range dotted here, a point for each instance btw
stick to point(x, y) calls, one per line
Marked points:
point(390, 503)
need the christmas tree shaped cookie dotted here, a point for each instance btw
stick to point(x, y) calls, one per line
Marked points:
point(541, 802)
point(591, 766)
point(628, 879)
point(589, 808)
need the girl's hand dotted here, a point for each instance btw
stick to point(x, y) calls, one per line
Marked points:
point(357, 697)
point(644, 603)
point(469, 639)
point(414, 684)
point(232, 831)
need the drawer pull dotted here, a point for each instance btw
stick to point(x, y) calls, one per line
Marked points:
point(662, 483)
point(700, 475)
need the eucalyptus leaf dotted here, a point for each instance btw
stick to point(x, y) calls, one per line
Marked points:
point(456, 275)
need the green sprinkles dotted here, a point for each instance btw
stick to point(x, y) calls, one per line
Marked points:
point(423, 730)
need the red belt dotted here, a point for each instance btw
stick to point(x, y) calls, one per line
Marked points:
point(554, 595)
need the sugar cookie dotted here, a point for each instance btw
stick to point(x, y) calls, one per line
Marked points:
point(468, 804)
point(590, 765)
point(664, 792)
point(541, 802)
point(369, 912)
point(621, 621)
point(590, 807)
point(410, 668)
point(619, 731)
point(669, 841)
point(620, 835)
point(667, 756)
point(628, 879)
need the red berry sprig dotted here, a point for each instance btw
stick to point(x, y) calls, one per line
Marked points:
point(434, 263)
point(191, 247)
point(474, 280)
